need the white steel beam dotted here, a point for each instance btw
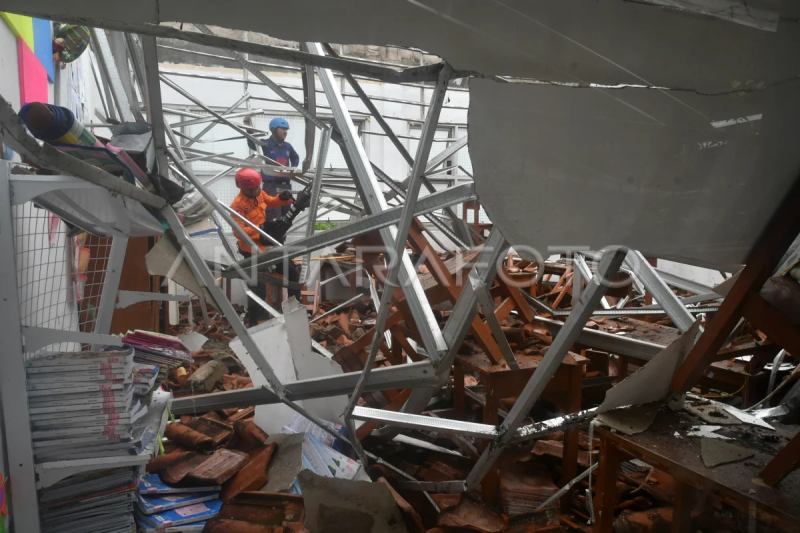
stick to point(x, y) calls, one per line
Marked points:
point(23, 503)
point(485, 268)
point(674, 308)
point(432, 202)
point(316, 187)
point(374, 202)
point(403, 226)
point(109, 68)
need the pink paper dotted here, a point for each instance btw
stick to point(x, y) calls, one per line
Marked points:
point(191, 510)
point(32, 75)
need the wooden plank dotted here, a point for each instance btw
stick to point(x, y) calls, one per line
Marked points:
point(762, 261)
point(768, 319)
point(787, 460)
point(444, 278)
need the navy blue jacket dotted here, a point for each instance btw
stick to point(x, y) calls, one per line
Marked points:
point(284, 154)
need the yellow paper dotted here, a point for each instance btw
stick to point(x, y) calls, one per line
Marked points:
point(21, 25)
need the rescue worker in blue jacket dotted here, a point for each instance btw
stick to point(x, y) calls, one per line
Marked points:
point(276, 148)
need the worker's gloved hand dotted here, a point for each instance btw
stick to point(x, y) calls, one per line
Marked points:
point(277, 228)
point(286, 195)
point(303, 200)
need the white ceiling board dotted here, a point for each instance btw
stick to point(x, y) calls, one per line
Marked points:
point(605, 41)
point(557, 166)
point(601, 41)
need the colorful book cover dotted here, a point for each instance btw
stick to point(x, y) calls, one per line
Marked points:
point(159, 503)
point(182, 515)
point(152, 484)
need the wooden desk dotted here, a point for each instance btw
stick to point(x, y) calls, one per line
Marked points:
point(733, 483)
point(499, 382)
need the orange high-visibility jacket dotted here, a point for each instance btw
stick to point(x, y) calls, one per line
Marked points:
point(253, 209)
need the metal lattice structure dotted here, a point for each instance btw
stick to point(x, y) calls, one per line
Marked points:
point(393, 222)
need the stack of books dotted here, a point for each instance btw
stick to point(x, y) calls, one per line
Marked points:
point(81, 404)
point(94, 502)
point(157, 349)
point(160, 507)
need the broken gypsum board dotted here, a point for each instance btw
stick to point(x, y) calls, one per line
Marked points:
point(425, 423)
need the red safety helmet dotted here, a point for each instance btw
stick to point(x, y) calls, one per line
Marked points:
point(248, 178)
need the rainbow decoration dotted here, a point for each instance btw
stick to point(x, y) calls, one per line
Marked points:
point(34, 54)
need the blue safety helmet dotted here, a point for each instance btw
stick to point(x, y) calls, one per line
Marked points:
point(278, 123)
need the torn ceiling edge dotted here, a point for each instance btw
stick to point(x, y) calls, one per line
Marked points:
point(649, 170)
point(610, 42)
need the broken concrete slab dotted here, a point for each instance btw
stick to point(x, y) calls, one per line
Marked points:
point(286, 462)
point(632, 420)
point(715, 452)
point(334, 505)
point(205, 377)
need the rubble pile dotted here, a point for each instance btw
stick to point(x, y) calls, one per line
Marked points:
point(274, 482)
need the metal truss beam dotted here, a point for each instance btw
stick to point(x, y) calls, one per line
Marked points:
point(389, 378)
point(316, 187)
point(127, 110)
point(643, 270)
point(263, 78)
point(425, 423)
point(206, 278)
point(581, 266)
point(374, 203)
point(683, 283)
point(486, 305)
point(384, 219)
point(128, 298)
point(633, 311)
point(433, 219)
point(458, 324)
point(615, 344)
point(390, 75)
point(609, 265)
point(403, 227)
point(154, 105)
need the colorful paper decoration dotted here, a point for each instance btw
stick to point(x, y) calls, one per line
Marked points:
point(37, 36)
point(22, 27)
point(32, 75)
point(43, 45)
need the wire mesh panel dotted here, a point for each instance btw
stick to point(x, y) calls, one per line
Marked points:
point(60, 272)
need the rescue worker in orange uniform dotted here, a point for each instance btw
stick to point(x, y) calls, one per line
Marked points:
point(252, 203)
